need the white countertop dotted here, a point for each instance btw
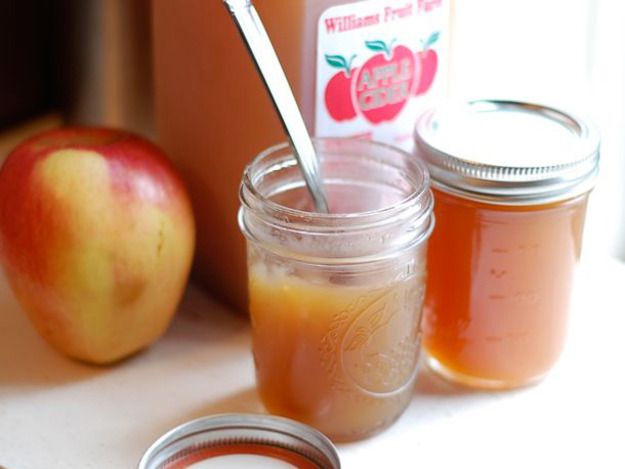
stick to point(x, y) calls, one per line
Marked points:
point(57, 414)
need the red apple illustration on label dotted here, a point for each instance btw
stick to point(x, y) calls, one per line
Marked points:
point(338, 97)
point(429, 64)
point(384, 83)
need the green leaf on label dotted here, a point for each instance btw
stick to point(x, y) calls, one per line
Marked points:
point(432, 39)
point(337, 61)
point(378, 46)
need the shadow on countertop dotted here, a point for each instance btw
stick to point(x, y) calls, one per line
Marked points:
point(27, 362)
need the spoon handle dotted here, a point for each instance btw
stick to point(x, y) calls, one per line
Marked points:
point(267, 63)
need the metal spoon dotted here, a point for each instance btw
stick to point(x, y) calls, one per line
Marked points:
point(268, 65)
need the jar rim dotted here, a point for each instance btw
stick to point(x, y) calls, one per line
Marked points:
point(538, 178)
point(234, 429)
point(251, 197)
point(360, 173)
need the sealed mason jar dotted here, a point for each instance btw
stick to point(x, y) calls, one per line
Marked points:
point(511, 181)
point(336, 299)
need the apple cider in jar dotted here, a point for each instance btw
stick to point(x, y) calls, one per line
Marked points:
point(335, 299)
point(357, 68)
point(511, 181)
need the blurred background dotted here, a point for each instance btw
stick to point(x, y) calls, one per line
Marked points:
point(565, 53)
point(74, 61)
point(90, 62)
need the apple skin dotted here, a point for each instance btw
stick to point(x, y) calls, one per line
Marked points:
point(96, 239)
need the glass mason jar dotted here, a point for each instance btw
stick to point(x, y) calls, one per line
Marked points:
point(511, 181)
point(336, 299)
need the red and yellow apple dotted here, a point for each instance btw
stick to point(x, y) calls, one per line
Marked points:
point(96, 239)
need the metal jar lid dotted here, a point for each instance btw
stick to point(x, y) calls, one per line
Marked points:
point(508, 152)
point(284, 441)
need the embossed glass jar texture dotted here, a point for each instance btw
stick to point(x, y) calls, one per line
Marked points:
point(335, 299)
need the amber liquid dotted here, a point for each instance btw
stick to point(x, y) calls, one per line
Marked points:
point(339, 357)
point(499, 284)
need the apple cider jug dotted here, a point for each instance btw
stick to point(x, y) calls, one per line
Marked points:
point(358, 69)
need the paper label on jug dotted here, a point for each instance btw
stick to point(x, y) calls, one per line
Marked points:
point(379, 64)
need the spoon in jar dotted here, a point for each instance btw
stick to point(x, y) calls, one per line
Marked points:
point(267, 63)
